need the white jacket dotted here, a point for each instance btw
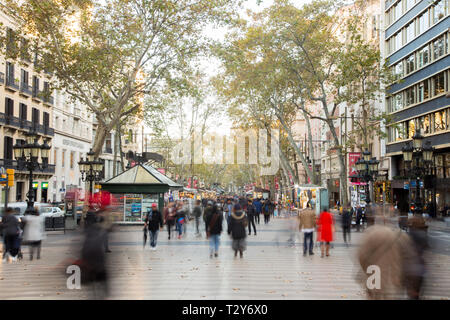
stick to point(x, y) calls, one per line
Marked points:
point(34, 228)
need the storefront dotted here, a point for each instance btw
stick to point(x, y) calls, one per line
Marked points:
point(136, 189)
point(333, 191)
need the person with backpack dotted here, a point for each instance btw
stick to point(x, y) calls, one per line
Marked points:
point(266, 211)
point(154, 223)
point(237, 230)
point(169, 217)
point(258, 206)
point(214, 221)
point(251, 213)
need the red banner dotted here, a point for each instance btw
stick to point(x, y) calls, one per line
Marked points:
point(352, 158)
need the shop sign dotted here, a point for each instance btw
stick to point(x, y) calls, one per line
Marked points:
point(35, 185)
point(406, 186)
point(44, 185)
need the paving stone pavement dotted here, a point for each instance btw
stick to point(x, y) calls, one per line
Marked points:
point(272, 268)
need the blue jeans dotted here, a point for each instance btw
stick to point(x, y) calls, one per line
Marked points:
point(308, 235)
point(179, 228)
point(214, 241)
point(153, 237)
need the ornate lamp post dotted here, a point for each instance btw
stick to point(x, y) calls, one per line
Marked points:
point(367, 170)
point(418, 163)
point(27, 156)
point(91, 169)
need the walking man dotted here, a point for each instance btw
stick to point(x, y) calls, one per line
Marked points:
point(251, 213)
point(307, 224)
point(154, 222)
point(346, 223)
point(236, 228)
point(258, 206)
point(197, 214)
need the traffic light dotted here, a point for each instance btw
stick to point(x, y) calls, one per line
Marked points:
point(10, 173)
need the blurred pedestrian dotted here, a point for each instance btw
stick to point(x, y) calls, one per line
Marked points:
point(213, 220)
point(307, 223)
point(237, 230)
point(10, 227)
point(346, 222)
point(258, 206)
point(180, 219)
point(154, 223)
point(359, 213)
point(251, 213)
point(34, 232)
point(169, 217)
point(326, 225)
point(197, 214)
point(266, 211)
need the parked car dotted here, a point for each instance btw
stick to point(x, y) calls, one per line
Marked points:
point(51, 212)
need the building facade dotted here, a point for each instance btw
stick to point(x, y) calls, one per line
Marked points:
point(25, 104)
point(416, 46)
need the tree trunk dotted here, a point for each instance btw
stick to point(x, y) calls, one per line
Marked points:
point(116, 147)
point(100, 137)
point(311, 148)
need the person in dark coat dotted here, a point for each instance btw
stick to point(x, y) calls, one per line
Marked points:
point(236, 228)
point(10, 228)
point(346, 223)
point(154, 222)
point(359, 213)
point(258, 206)
point(213, 221)
point(251, 214)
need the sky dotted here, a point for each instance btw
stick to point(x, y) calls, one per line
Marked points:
point(210, 66)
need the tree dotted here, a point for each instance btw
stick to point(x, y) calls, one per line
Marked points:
point(107, 53)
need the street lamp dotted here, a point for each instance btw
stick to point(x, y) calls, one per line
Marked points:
point(27, 156)
point(91, 169)
point(367, 170)
point(418, 163)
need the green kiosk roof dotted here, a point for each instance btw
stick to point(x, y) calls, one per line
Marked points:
point(141, 178)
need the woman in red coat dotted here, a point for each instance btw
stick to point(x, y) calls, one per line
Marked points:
point(326, 227)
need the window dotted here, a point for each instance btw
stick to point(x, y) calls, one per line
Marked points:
point(399, 131)
point(46, 119)
point(8, 148)
point(10, 70)
point(9, 107)
point(423, 56)
point(410, 64)
point(425, 124)
point(410, 96)
point(439, 121)
point(24, 77)
point(398, 70)
point(63, 158)
point(71, 159)
point(438, 11)
point(439, 83)
point(23, 111)
point(398, 11)
point(424, 91)
point(410, 32)
point(410, 4)
point(423, 22)
point(411, 128)
point(439, 47)
point(35, 116)
point(398, 102)
point(398, 41)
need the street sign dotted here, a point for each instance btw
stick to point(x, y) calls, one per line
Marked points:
point(406, 186)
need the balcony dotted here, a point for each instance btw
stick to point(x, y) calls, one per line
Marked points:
point(25, 125)
point(48, 100)
point(25, 89)
point(77, 113)
point(44, 130)
point(37, 95)
point(2, 77)
point(12, 164)
point(12, 84)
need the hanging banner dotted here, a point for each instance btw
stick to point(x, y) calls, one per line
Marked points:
point(352, 158)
